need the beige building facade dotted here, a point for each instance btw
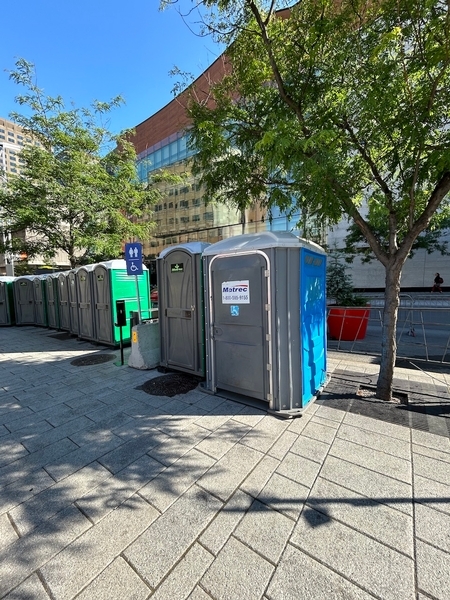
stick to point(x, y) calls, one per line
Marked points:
point(12, 140)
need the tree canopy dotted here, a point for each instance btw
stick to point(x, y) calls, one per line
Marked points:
point(78, 189)
point(334, 109)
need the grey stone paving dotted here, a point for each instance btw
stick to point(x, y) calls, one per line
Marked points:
point(107, 492)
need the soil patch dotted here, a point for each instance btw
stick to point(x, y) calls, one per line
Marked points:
point(170, 385)
point(369, 393)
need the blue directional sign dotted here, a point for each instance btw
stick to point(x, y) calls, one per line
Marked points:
point(133, 257)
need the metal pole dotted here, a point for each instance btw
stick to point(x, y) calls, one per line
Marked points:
point(138, 298)
point(121, 345)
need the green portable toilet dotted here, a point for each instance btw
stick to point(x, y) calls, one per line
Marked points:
point(7, 314)
point(24, 300)
point(51, 299)
point(111, 283)
point(63, 301)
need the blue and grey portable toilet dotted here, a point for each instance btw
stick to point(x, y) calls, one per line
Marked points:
point(85, 298)
point(51, 299)
point(266, 319)
point(180, 308)
point(63, 301)
point(24, 300)
point(73, 301)
point(7, 314)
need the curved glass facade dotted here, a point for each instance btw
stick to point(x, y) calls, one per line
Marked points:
point(167, 152)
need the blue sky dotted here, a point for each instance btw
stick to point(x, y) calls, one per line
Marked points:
point(87, 50)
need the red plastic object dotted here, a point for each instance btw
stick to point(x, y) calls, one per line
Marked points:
point(348, 324)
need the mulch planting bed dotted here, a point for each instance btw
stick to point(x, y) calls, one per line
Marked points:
point(170, 384)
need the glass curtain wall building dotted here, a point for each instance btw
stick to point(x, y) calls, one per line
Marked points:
point(183, 215)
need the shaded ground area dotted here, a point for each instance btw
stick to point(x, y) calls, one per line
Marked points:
point(92, 359)
point(427, 403)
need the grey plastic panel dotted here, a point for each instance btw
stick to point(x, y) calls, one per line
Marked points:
point(72, 295)
point(83, 280)
point(51, 291)
point(63, 301)
point(40, 315)
point(24, 300)
point(6, 304)
point(101, 282)
point(180, 304)
point(238, 329)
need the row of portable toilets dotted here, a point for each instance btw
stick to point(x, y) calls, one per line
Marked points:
point(247, 314)
point(81, 301)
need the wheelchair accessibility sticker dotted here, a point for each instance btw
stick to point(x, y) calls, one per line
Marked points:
point(234, 310)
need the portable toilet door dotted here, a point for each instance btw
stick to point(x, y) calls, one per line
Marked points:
point(239, 347)
point(51, 295)
point(110, 283)
point(7, 316)
point(62, 286)
point(40, 311)
point(24, 300)
point(73, 302)
point(180, 308)
point(83, 279)
point(102, 305)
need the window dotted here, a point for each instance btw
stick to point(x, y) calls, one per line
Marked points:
point(170, 204)
point(20, 137)
point(196, 217)
point(196, 202)
point(184, 203)
point(184, 219)
point(209, 216)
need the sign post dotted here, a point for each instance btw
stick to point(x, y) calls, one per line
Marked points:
point(133, 258)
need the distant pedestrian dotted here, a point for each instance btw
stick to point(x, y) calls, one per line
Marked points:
point(438, 281)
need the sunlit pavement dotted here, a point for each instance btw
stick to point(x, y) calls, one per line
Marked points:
point(108, 492)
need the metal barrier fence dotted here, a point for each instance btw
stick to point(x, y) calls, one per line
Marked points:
point(423, 328)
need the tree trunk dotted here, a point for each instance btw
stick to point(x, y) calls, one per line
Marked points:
point(389, 331)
